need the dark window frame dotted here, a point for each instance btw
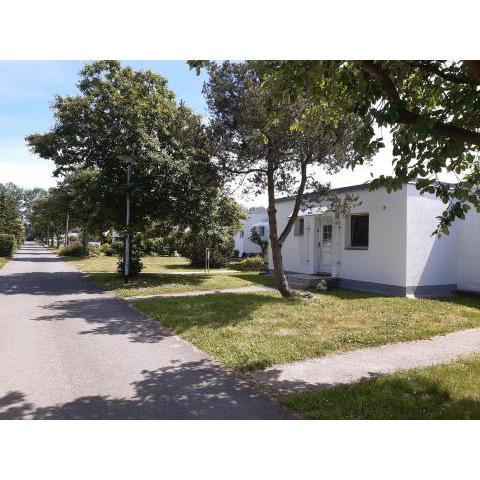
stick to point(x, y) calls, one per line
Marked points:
point(359, 233)
point(299, 229)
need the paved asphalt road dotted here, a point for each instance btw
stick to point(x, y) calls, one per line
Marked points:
point(71, 351)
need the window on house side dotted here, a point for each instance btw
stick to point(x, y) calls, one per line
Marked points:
point(241, 234)
point(359, 231)
point(261, 231)
point(299, 227)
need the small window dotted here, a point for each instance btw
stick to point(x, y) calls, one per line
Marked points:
point(261, 231)
point(327, 235)
point(299, 227)
point(359, 231)
point(241, 234)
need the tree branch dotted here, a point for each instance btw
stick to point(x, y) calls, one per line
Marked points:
point(430, 68)
point(408, 117)
point(473, 67)
point(298, 203)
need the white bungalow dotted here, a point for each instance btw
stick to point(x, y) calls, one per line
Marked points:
point(384, 245)
point(258, 219)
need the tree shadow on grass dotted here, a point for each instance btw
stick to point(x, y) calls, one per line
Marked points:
point(384, 398)
point(190, 390)
point(111, 281)
point(471, 300)
point(214, 311)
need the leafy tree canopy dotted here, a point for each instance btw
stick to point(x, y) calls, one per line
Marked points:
point(432, 108)
point(122, 112)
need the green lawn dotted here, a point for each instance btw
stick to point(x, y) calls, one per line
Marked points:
point(255, 330)
point(450, 391)
point(164, 275)
point(3, 261)
point(154, 283)
point(104, 264)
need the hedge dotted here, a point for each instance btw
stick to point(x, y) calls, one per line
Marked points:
point(8, 245)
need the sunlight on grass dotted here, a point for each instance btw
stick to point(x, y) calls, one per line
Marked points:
point(255, 330)
point(104, 264)
point(3, 261)
point(164, 275)
point(155, 283)
point(450, 391)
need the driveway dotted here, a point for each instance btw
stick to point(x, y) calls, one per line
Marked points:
point(70, 351)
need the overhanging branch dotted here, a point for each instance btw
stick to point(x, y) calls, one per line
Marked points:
point(408, 117)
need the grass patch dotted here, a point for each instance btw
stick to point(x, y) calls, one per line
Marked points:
point(450, 391)
point(154, 283)
point(3, 261)
point(255, 330)
point(164, 275)
point(152, 264)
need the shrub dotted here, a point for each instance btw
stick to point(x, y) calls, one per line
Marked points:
point(156, 246)
point(193, 247)
point(8, 245)
point(106, 249)
point(74, 249)
point(117, 248)
point(135, 263)
point(251, 264)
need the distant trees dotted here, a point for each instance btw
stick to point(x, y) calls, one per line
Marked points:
point(11, 222)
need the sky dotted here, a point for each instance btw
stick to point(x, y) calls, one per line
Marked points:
point(28, 87)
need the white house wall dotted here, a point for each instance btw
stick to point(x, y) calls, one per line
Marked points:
point(297, 251)
point(468, 272)
point(431, 260)
point(383, 262)
point(244, 245)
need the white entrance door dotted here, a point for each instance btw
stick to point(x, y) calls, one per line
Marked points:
point(325, 239)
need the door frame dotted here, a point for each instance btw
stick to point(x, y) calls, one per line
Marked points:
point(320, 221)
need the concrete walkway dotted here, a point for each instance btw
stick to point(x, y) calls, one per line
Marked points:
point(334, 370)
point(198, 293)
point(71, 351)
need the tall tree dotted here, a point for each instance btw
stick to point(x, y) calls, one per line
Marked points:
point(125, 113)
point(432, 108)
point(273, 141)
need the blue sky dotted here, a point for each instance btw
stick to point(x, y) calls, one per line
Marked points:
point(28, 87)
point(26, 90)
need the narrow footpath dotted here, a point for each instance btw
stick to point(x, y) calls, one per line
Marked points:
point(339, 369)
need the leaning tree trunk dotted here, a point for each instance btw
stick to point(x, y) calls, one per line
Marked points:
point(275, 243)
point(280, 277)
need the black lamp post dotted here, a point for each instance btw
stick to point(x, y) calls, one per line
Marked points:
point(126, 258)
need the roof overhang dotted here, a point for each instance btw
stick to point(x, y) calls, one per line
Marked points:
point(313, 211)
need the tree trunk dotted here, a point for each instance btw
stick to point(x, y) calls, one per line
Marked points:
point(275, 244)
point(84, 243)
point(280, 277)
